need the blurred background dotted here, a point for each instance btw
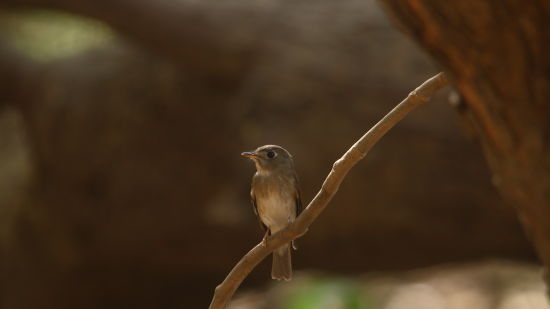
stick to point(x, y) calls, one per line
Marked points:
point(121, 183)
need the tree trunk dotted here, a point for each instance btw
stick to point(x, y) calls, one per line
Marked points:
point(497, 53)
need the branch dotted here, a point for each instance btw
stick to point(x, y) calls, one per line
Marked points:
point(341, 167)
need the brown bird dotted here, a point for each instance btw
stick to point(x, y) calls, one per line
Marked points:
point(276, 199)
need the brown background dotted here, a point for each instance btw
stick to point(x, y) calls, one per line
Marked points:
point(121, 181)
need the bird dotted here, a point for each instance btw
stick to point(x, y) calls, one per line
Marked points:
point(276, 201)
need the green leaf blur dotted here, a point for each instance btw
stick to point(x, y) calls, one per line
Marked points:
point(46, 35)
point(328, 293)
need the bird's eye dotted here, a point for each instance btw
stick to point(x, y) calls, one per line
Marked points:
point(271, 154)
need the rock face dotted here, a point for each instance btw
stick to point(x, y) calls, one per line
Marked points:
point(133, 192)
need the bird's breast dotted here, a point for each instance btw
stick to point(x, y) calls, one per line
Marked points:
point(276, 211)
point(276, 203)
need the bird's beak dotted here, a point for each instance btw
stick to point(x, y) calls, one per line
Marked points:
point(249, 154)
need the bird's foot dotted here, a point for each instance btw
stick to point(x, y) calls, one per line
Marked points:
point(264, 240)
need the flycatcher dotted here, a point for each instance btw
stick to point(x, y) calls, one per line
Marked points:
point(276, 199)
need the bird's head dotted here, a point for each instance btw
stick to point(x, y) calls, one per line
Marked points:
point(270, 158)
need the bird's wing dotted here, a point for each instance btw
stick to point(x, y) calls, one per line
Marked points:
point(297, 197)
point(299, 206)
point(255, 207)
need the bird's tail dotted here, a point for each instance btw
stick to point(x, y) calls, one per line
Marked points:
point(282, 264)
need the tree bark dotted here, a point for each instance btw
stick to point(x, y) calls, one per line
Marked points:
point(497, 54)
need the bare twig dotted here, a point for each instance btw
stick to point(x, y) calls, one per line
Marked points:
point(341, 167)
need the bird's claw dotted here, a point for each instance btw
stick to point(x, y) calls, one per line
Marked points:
point(264, 240)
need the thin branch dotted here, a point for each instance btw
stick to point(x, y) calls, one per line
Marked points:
point(341, 167)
